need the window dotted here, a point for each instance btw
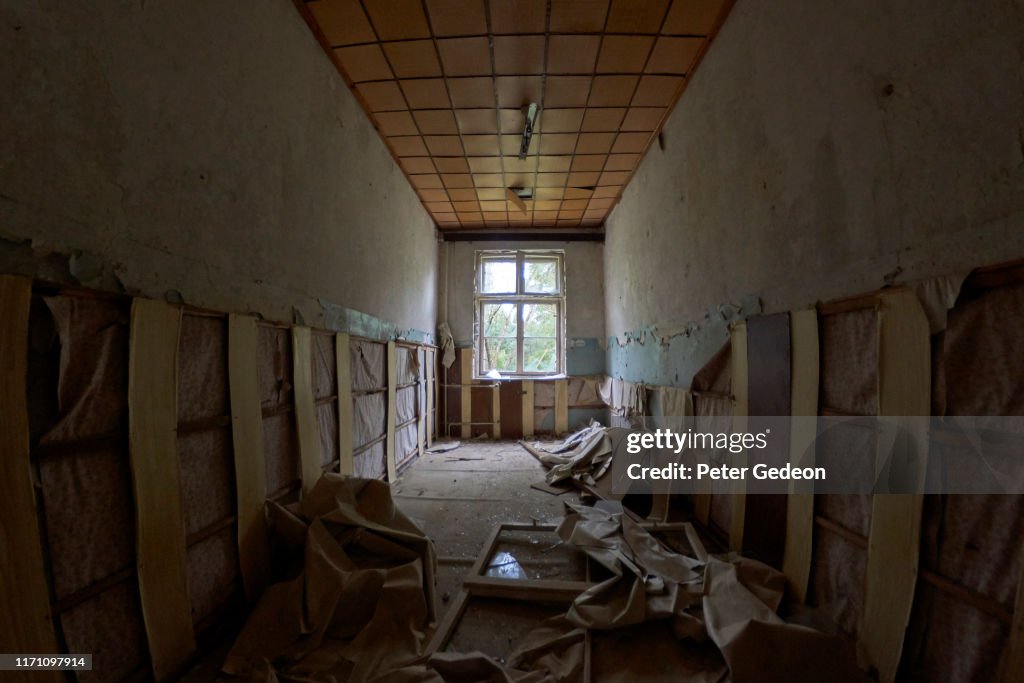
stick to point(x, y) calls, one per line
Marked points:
point(520, 309)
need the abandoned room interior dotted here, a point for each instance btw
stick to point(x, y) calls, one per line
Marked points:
point(512, 340)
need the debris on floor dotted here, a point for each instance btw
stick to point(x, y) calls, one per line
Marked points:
point(444, 446)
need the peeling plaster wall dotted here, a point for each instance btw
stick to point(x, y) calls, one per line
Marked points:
point(823, 149)
point(207, 152)
point(584, 296)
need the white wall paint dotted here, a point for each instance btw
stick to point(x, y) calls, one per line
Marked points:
point(793, 172)
point(205, 147)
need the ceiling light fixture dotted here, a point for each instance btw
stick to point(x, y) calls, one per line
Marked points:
point(531, 119)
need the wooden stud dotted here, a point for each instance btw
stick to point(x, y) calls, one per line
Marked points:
point(496, 410)
point(530, 590)
point(160, 517)
point(740, 412)
point(561, 406)
point(421, 405)
point(465, 379)
point(392, 411)
point(904, 379)
point(305, 408)
point(27, 625)
point(429, 375)
point(341, 353)
point(796, 564)
point(250, 467)
point(528, 427)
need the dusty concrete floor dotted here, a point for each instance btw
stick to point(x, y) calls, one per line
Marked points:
point(458, 498)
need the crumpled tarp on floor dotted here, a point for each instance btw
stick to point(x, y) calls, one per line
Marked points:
point(361, 600)
point(586, 455)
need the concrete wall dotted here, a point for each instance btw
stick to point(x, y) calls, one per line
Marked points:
point(822, 149)
point(584, 296)
point(207, 150)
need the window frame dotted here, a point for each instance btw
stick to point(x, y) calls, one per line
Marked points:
point(519, 299)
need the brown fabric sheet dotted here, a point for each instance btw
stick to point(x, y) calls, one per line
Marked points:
point(367, 365)
point(202, 368)
point(716, 375)
point(110, 627)
point(405, 404)
point(325, 365)
point(363, 598)
point(369, 418)
point(207, 478)
point(92, 392)
point(407, 364)
point(837, 581)
point(849, 362)
point(543, 394)
point(370, 463)
point(275, 366)
point(584, 392)
point(213, 573)
point(281, 451)
point(327, 421)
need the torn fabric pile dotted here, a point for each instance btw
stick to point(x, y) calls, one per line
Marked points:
point(586, 455)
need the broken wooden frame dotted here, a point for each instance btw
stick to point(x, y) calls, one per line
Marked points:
point(476, 584)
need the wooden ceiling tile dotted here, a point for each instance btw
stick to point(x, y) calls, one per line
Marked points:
point(484, 164)
point(586, 179)
point(592, 222)
point(612, 91)
point(466, 206)
point(578, 16)
point(455, 181)
point(566, 91)
point(481, 145)
point(601, 204)
point(426, 182)
point(643, 118)
point(439, 207)
point(613, 178)
point(412, 165)
point(547, 204)
point(549, 193)
point(518, 91)
point(595, 143)
point(574, 204)
point(628, 143)
point(495, 218)
point(510, 145)
point(512, 121)
point(588, 162)
point(572, 216)
point(656, 91)
point(446, 218)
point(692, 17)
point(552, 164)
point(436, 122)
point(364, 63)
point(544, 217)
point(517, 165)
point(607, 191)
point(398, 19)
point(594, 214)
point(471, 219)
point(622, 162)
point(382, 96)
point(572, 54)
point(392, 123)
point(476, 121)
point(462, 194)
point(433, 195)
point(578, 193)
point(602, 120)
point(443, 145)
point(408, 146)
point(636, 16)
point(471, 93)
point(561, 120)
point(557, 143)
point(519, 55)
point(488, 180)
point(465, 56)
point(451, 165)
point(426, 93)
point(342, 21)
point(493, 206)
point(551, 179)
point(523, 16)
point(674, 55)
point(624, 54)
point(457, 17)
point(413, 59)
point(490, 194)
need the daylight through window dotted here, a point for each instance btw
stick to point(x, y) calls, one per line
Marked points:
point(520, 309)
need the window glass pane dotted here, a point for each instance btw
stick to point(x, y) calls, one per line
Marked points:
point(499, 354)
point(540, 320)
point(540, 275)
point(499, 320)
point(499, 276)
point(540, 355)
